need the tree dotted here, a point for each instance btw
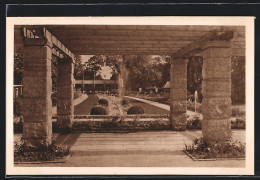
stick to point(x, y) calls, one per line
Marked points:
point(144, 71)
point(238, 79)
point(194, 76)
point(18, 69)
point(78, 67)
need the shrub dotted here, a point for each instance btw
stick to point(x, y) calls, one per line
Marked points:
point(191, 106)
point(42, 153)
point(125, 102)
point(239, 123)
point(103, 102)
point(195, 123)
point(202, 150)
point(98, 111)
point(135, 110)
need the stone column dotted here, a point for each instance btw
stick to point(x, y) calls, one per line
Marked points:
point(178, 94)
point(37, 83)
point(65, 94)
point(216, 91)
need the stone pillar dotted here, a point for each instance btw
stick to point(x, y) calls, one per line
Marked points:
point(65, 94)
point(216, 92)
point(178, 94)
point(37, 83)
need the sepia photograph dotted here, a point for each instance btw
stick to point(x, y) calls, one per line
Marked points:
point(130, 95)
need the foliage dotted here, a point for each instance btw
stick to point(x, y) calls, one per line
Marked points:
point(42, 153)
point(135, 110)
point(125, 102)
point(98, 111)
point(201, 149)
point(191, 106)
point(18, 124)
point(238, 79)
point(78, 67)
point(194, 76)
point(103, 102)
point(195, 123)
point(113, 123)
point(54, 71)
point(18, 69)
point(145, 71)
point(17, 108)
point(239, 123)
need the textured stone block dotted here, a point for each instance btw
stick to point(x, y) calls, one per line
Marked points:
point(216, 108)
point(65, 106)
point(63, 93)
point(180, 62)
point(65, 69)
point(178, 94)
point(178, 106)
point(215, 52)
point(38, 130)
point(216, 131)
point(36, 118)
point(221, 88)
point(64, 121)
point(178, 121)
point(179, 81)
point(179, 74)
point(37, 87)
point(36, 52)
point(216, 68)
point(35, 106)
point(37, 62)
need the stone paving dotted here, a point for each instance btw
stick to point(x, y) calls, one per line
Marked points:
point(140, 149)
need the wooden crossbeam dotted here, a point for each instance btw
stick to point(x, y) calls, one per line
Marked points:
point(58, 48)
point(196, 46)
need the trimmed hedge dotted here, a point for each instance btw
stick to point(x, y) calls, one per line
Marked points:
point(98, 111)
point(103, 102)
point(135, 110)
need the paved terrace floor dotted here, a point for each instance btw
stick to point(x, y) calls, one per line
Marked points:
point(139, 149)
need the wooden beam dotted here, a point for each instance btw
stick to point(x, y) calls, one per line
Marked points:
point(196, 46)
point(105, 43)
point(55, 42)
point(149, 27)
point(79, 33)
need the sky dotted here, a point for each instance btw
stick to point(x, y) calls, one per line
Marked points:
point(85, 58)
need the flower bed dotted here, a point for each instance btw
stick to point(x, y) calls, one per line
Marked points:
point(117, 123)
point(42, 153)
point(200, 150)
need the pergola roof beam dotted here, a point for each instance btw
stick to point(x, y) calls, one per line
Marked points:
point(195, 47)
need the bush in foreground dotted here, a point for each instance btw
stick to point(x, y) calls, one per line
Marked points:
point(98, 111)
point(135, 110)
point(200, 149)
point(43, 153)
point(103, 102)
